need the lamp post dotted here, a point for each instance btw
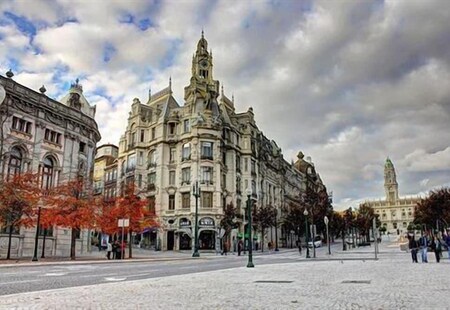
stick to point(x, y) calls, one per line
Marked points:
point(196, 193)
point(305, 213)
point(36, 237)
point(325, 219)
point(248, 191)
point(276, 231)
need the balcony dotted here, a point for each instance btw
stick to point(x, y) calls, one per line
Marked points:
point(208, 157)
point(185, 183)
point(151, 165)
point(151, 187)
point(172, 138)
point(186, 158)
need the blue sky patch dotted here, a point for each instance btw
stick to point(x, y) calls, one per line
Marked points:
point(108, 52)
point(24, 25)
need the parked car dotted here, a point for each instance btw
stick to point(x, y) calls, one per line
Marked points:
point(317, 242)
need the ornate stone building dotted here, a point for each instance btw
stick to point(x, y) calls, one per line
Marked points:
point(395, 213)
point(56, 140)
point(168, 147)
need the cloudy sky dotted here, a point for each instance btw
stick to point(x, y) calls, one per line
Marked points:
point(346, 82)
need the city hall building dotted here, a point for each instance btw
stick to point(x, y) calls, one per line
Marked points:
point(168, 147)
point(395, 213)
point(56, 139)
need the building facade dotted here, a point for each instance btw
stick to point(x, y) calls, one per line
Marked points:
point(168, 147)
point(395, 213)
point(56, 140)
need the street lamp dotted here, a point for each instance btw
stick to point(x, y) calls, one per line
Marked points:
point(325, 219)
point(276, 232)
point(248, 192)
point(196, 193)
point(36, 237)
point(305, 213)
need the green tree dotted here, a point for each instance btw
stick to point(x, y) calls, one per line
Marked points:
point(264, 217)
point(364, 220)
point(228, 221)
point(434, 208)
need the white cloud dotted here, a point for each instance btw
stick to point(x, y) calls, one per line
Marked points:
point(348, 84)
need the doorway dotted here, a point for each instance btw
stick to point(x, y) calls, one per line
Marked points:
point(170, 240)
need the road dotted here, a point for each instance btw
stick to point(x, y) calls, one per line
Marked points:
point(19, 279)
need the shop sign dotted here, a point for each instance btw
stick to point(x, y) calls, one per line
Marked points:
point(206, 221)
point(184, 222)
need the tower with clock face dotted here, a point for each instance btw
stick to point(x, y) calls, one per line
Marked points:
point(390, 182)
point(202, 92)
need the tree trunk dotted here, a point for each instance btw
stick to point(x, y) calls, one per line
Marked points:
point(129, 245)
point(73, 240)
point(8, 255)
point(262, 239)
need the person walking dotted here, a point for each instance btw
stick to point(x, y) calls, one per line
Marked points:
point(413, 246)
point(447, 241)
point(108, 249)
point(239, 247)
point(299, 244)
point(436, 245)
point(114, 249)
point(424, 243)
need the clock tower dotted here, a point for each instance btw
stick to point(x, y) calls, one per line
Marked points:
point(202, 92)
point(390, 182)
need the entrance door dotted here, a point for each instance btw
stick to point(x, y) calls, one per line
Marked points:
point(170, 240)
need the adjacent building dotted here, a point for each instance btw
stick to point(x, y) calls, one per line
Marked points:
point(395, 213)
point(56, 139)
point(168, 148)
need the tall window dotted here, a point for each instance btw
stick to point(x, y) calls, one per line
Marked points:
point(245, 164)
point(186, 125)
point(151, 159)
point(142, 135)
point(186, 151)
point(206, 199)
point(172, 128)
point(186, 200)
point(253, 167)
point(47, 173)
point(207, 150)
point(153, 133)
point(21, 125)
point(206, 174)
point(131, 162)
point(141, 158)
point(52, 136)
point(172, 154)
point(15, 162)
point(171, 177)
point(238, 163)
point(171, 202)
point(186, 175)
point(151, 178)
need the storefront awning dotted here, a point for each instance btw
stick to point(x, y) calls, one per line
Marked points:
point(149, 229)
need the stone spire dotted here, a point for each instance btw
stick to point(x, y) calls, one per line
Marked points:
point(390, 182)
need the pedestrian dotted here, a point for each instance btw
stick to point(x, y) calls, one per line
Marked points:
point(436, 245)
point(269, 245)
point(239, 247)
point(424, 243)
point(413, 246)
point(114, 249)
point(447, 241)
point(108, 249)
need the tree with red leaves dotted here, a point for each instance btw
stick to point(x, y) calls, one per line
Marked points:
point(70, 205)
point(129, 206)
point(19, 197)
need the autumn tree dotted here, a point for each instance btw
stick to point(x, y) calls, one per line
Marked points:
point(228, 221)
point(264, 217)
point(70, 205)
point(128, 206)
point(19, 196)
point(364, 220)
point(434, 208)
point(294, 219)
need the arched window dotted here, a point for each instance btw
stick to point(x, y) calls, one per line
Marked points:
point(15, 162)
point(47, 173)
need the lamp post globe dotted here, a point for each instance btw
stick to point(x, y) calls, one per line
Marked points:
point(248, 192)
point(326, 220)
point(305, 213)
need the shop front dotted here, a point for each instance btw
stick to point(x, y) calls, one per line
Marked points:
point(207, 234)
point(184, 232)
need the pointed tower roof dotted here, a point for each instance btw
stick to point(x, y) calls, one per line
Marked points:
point(77, 88)
point(388, 163)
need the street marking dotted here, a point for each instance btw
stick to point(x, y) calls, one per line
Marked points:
point(97, 275)
point(22, 281)
point(55, 274)
point(114, 279)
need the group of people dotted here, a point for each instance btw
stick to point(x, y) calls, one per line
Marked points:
point(116, 248)
point(434, 242)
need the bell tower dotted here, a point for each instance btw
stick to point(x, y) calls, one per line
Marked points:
point(390, 182)
point(202, 92)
